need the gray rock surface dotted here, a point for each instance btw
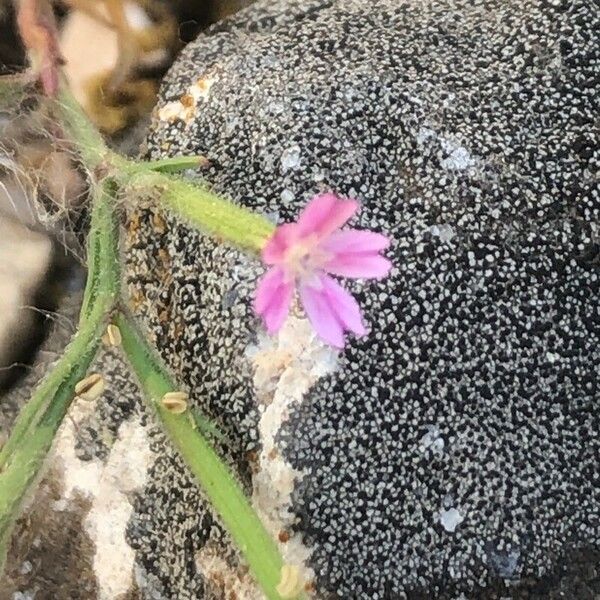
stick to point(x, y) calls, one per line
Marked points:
point(455, 443)
point(454, 447)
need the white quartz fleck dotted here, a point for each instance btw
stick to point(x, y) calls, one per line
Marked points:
point(444, 231)
point(425, 134)
point(459, 158)
point(275, 108)
point(24, 595)
point(432, 441)
point(450, 519)
point(290, 159)
point(26, 567)
point(287, 196)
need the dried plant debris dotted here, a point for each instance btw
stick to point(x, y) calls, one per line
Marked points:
point(175, 402)
point(91, 387)
point(42, 213)
point(117, 86)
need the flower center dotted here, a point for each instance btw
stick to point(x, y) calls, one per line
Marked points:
point(304, 258)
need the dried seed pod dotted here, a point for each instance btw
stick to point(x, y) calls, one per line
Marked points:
point(175, 402)
point(290, 583)
point(91, 387)
point(112, 337)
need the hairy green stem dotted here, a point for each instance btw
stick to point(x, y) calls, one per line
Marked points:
point(195, 204)
point(80, 131)
point(174, 164)
point(215, 478)
point(202, 208)
point(35, 428)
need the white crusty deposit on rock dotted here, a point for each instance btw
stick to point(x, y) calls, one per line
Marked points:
point(223, 579)
point(184, 109)
point(108, 486)
point(285, 367)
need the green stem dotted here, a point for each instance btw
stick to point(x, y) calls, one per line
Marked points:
point(215, 478)
point(80, 131)
point(195, 204)
point(204, 209)
point(174, 164)
point(35, 428)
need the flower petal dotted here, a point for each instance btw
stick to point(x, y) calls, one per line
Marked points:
point(343, 305)
point(324, 214)
point(355, 254)
point(368, 266)
point(285, 236)
point(267, 287)
point(320, 314)
point(272, 299)
point(355, 241)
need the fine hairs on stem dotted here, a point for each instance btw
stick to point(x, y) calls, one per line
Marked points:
point(33, 432)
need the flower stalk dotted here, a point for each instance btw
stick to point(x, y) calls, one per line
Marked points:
point(216, 480)
point(204, 209)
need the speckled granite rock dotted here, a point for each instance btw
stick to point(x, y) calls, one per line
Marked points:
point(454, 447)
point(452, 444)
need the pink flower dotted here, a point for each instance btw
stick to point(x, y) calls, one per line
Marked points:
point(305, 254)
